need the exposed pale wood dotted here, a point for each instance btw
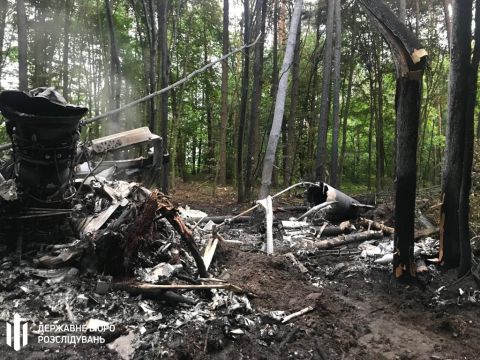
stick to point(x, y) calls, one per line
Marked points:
point(210, 251)
point(374, 225)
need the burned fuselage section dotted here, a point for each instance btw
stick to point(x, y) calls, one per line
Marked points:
point(44, 131)
point(48, 167)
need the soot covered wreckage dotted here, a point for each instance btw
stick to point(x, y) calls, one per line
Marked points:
point(48, 166)
point(123, 237)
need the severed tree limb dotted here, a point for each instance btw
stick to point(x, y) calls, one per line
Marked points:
point(374, 225)
point(347, 239)
point(170, 87)
point(170, 213)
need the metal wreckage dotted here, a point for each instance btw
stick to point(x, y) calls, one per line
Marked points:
point(83, 213)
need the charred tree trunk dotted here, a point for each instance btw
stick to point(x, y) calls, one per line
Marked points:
point(454, 227)
point(22, 46)
point(410, 62)
point(321, 158)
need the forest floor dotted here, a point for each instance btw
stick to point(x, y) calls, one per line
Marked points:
point(360, 312)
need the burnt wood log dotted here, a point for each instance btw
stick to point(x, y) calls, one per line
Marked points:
point(374, 225)
point(169, 212)
point(347, 239)
point(410, 60)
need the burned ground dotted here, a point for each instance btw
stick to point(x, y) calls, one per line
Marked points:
point(359, 310)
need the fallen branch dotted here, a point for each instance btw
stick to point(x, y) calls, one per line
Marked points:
point(228, 218)
point(374, 225)
point(152, 289)
point(297, 314)
point(170, 213)
point(170, 87)
point(347, 239)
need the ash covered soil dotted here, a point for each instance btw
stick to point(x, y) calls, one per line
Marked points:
point(359, 310)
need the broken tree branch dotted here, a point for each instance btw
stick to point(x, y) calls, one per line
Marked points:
point(170, 213)
point(374, 225)
point(146, 288)
point(297, 314)
point(170, 87)
point(348, 239)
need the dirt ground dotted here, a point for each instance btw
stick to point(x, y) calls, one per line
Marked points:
point(360, 311)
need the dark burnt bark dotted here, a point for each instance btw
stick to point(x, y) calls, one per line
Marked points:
point(464, 202)
point(455, 137)
point(410, 62)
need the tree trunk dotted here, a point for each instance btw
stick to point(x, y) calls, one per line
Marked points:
point(321, 158)
point(447, 4)
point(346, 109)
point(115, 70)
point(280, 101)
point(66, 46)
point(149, 12)
point(379, 140)
point(22, 46)
point(455, 246)
point(410, 61)
point(243, 102)
point(3, 16)
point(164, 66)
point(222, 163)
point(292, 116)
point(260, 20)
point(336, 93)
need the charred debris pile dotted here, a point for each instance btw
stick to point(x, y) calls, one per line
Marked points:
point(82, 243)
